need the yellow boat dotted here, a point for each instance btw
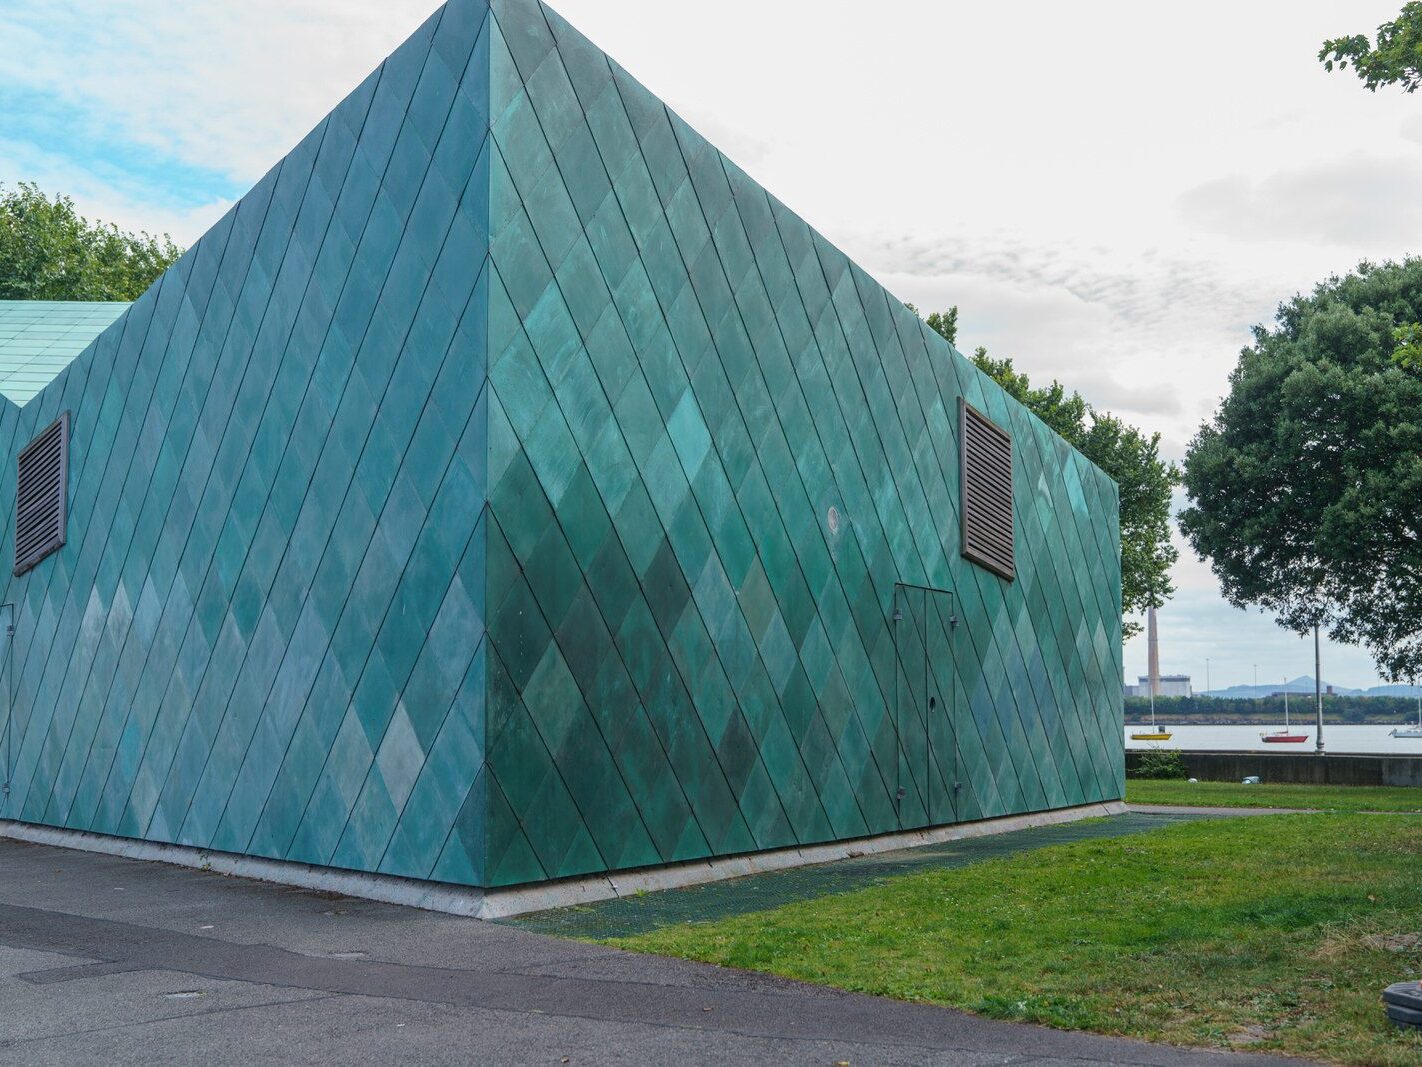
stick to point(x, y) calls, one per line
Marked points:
point(1155, 733)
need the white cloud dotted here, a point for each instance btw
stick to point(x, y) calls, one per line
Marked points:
point(1117, 223)
point(1197, 626)
point(128, 205)
point(1145, 335)
point(223, 85)
point(212, 93)
point(1353, 201)
point(1411, 128)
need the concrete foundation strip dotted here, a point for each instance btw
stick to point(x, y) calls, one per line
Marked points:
point(521, 900)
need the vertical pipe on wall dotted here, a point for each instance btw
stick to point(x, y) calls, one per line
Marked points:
point(9, 662)
point(927, 718)
point(899, 753)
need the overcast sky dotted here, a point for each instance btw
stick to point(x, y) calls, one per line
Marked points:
point(1112, 192)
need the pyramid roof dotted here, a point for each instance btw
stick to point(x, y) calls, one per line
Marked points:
point(39, 338)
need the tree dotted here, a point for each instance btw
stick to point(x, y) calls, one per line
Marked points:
point(1396, 59)
point(1122, 451)
point(1305, 485)
point(48, 251)
point(945, 323)
point(1408, 352)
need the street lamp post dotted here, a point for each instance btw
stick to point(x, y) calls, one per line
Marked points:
point(1318, 690)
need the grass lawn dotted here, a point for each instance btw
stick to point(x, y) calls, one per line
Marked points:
point(1234, 795)
point(1266, 933)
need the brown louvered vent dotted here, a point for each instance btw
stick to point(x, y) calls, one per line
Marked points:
point(41, 487)
point(986, 451)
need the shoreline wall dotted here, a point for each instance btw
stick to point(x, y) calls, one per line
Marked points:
point(1298, 767)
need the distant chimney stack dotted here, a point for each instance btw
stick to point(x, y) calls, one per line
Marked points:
point(1154, 646)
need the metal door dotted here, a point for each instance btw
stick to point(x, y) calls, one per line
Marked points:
point(927, 773)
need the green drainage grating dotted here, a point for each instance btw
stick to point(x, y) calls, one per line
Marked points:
point(717, 900)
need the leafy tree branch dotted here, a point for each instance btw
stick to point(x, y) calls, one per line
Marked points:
point(48, 251)
point(1304, 487)
point(1396, 58)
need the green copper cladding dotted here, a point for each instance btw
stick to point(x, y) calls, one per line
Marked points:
point(39, 338)
point(509, 488)
point(716, 449)
point(265, 634)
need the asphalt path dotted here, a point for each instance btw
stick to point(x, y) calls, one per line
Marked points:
point(115, 961)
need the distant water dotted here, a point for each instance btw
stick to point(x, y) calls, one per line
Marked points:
point(1351, 739)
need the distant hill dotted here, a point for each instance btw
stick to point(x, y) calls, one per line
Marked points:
point(1303, 685)
point(1394, 691)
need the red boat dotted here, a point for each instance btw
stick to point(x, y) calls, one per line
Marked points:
point(1284, 736)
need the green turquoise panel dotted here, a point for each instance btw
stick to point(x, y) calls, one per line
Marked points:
point(508, 488)
point(39, 338)
point(265, 634)
point(723, 469)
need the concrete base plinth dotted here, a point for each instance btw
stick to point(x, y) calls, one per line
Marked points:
point(520, 900)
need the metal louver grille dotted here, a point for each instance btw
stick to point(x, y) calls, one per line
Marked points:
point(41, 487)
point(986, 452)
